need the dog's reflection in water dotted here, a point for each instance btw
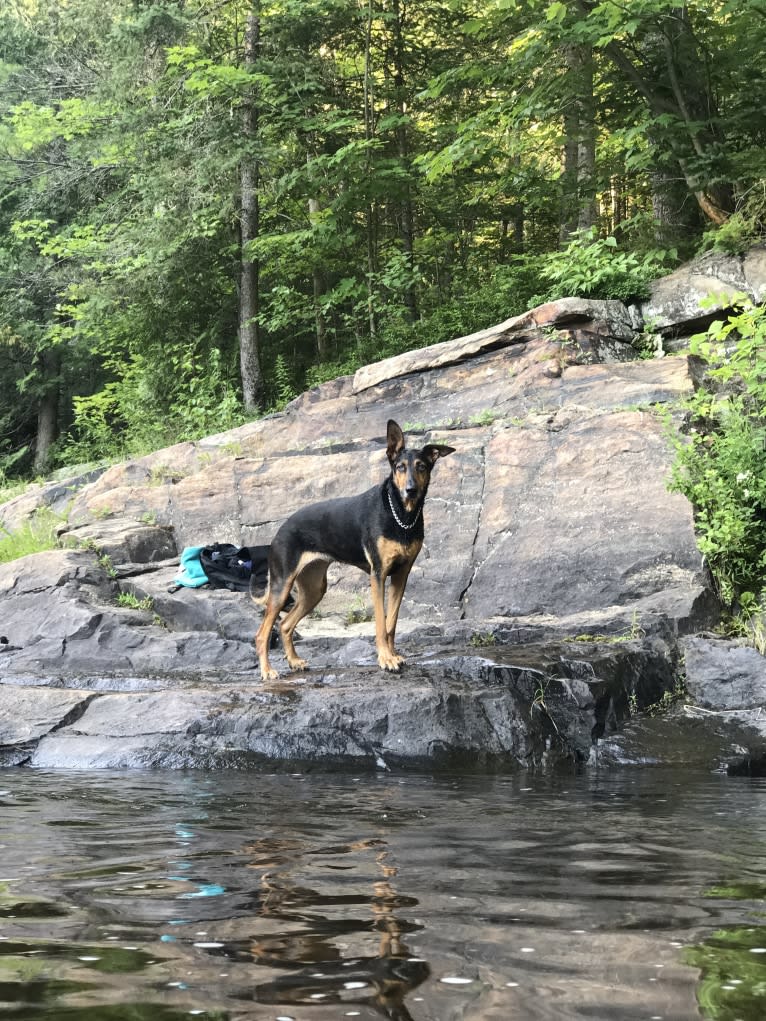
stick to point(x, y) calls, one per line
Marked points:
point(310, 949)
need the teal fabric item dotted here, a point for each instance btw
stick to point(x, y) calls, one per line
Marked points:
point(191, 574)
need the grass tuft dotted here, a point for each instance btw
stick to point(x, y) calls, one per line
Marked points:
point(35, 536)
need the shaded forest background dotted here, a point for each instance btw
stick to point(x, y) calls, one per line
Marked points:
point(206, 207)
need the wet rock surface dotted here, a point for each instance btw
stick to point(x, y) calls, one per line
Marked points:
point(548, 607)
point(455, 705)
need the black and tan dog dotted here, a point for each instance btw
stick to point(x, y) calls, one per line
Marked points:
point(380, 532)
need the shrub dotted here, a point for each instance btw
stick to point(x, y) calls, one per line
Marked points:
point(171, 396)
point(594, 267)
point(721, 465)
point(733, 237)
point(742, 229)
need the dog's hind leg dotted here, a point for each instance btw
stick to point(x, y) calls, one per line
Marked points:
point(310, 587)
point(276, 598)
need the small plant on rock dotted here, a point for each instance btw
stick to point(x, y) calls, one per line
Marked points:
point(481, 639)
point(360, 613)
point(668, 699)
point(486, 417)
point(131, 602)
point(106, 565)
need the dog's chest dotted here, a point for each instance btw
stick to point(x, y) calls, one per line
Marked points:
point(393, 552)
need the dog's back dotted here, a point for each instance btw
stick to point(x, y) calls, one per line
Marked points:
point(332, 529)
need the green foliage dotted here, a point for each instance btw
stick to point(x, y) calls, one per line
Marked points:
point(284, 389)
point(157, 401)
point(668, 700)
point(359, 613)
point(746, 227)
point(409, 188)
point(483, 300)
point(482, 639)
point(36, 536)
point(106, 564)
point(323, 372)
point(10, 488)
point(629, 634)
point(595, 267)
point(749, 622)
point(721, 465)
point(131, 602)
point(733, 237)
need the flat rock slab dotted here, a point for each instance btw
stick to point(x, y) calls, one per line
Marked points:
point(28, 714)
point(509, 708)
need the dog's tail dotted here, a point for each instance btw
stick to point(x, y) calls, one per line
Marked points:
point(259, 592)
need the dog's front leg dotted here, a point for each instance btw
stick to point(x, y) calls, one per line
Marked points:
point(396, 587)
point(387, 658)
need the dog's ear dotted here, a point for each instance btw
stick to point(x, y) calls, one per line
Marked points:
point(395, 440)
point(433, 451)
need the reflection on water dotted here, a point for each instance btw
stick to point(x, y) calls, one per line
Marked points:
point(156, 897)
point(733, 981)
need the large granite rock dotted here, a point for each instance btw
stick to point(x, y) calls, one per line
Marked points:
point(725, 675)
point(551, 522)
point(554, 502)
point(700, 291)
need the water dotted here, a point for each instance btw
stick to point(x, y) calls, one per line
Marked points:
point(158, 897)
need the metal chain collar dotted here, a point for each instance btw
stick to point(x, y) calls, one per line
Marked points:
point(398, 520)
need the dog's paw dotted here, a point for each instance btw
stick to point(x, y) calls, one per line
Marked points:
point(269, 674)
point(391, 662)
point(298, 664)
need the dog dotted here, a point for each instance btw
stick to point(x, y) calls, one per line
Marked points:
point(379, 531)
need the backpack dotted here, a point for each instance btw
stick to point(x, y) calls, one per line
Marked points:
point(232, 567)
point(223, 565)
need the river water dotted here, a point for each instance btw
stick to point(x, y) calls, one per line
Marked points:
point(163, 896)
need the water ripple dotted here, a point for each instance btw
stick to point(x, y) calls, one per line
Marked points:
point(126, 897)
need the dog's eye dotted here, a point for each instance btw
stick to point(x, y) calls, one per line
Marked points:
point(401, 467)
point(420, 467)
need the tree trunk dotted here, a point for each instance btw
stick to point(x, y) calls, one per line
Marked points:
point(677, 215)
point(619, 202)
point(518, 228)
point(579, 211)
point(48, 410)
point(568, 215)
point(321, 330)
point(586, 140)
point(249, 297)
point(406, 216)
point(369, 130)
